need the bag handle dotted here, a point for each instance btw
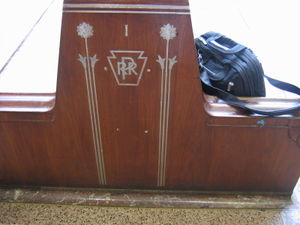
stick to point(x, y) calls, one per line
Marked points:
point(214, 44)
point(234, 101)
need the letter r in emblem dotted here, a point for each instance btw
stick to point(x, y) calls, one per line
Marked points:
point(127, 66)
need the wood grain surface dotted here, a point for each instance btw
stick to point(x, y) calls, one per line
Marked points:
point(135, 143)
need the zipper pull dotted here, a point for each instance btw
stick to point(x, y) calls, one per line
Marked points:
point(229, 86)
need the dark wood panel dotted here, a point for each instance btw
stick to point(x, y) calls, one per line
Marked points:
point(253, 159)
point(154, 134)
point(129, 114)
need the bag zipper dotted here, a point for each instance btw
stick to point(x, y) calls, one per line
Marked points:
point(256, 68)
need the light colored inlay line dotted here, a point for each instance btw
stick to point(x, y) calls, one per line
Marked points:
point(85, 31)
point(126, 6)
point(126, 30)
point(168, 32)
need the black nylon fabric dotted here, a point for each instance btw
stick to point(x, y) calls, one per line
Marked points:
point(223, 62)
point(232, 64)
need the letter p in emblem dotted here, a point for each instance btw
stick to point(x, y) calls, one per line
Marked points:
point(127, 66)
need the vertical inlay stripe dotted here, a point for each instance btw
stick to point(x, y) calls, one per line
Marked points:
point(168, 32)
point(86, 31)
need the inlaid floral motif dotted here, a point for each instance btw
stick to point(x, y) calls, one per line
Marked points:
point(85, 30)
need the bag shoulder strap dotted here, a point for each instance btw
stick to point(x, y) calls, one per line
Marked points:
point(234, 101)
point(283, 85)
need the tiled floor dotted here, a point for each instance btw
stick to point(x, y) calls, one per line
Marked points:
point(35, 214)
point(14, 30)
point(14, 210)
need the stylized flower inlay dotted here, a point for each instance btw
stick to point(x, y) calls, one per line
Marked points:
point(85, 30)
point(172, 62)
point(161, 61)
point(168, 32)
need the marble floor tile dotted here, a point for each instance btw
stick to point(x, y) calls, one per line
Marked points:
point(51, 206)
point(41, 214)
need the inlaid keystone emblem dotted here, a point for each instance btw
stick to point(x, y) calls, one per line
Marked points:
point(127, 66)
